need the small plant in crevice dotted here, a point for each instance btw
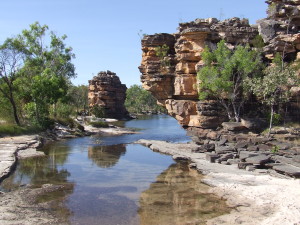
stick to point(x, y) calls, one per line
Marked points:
point(275, 149)
point(162, 52)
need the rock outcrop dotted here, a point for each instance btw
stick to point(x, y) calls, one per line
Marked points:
point(174, 84)
point(280, 31)
point(107, 91)
point(172, 77)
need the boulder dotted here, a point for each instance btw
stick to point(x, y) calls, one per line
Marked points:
point(289, 170)
point(233, 126)
point(258, 159)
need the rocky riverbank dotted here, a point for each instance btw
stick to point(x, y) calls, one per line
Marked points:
point(24, 146)
point(260, 196)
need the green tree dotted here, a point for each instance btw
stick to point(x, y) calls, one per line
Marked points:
point(78, 96)
point(11, 62)
point(44, 77)
point(223, 74)
point(139, 100)
point(274, 87)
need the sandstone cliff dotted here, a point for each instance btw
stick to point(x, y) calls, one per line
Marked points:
point(107, 91)
point(174, 84)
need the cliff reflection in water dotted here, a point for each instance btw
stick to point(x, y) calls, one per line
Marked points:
point(179, 197)
point(106, 156)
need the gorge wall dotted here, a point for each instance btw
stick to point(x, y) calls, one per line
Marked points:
point(107, 91)
point(172, 79)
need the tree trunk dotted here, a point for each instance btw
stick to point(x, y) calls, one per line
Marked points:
point(271, 120)
point(14, 107)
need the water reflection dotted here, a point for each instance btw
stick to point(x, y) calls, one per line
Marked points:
point(40, 170)
point(106, 156)
point(179, 197)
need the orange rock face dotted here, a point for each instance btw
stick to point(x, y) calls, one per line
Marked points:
point(107, 91)
point(175, 85)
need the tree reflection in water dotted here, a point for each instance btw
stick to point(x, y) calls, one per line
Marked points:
point(47, 181)
point(106, 156)
point(179, 197)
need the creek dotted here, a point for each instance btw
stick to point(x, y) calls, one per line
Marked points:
point(109, 181)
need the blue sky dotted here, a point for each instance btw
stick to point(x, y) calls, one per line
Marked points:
point(104, 34)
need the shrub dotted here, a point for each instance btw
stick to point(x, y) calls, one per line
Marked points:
point(99, 124)
point(98, 111)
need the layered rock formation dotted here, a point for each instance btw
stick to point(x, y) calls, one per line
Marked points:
point(280, 30)
point(174, 84)
point(107, 91)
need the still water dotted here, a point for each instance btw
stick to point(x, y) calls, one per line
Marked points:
point(110, 181)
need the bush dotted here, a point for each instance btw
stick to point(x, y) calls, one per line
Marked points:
point(70, 123)
point(277, 119)
point(98, 111)
point(99, 124)
point(14, 130)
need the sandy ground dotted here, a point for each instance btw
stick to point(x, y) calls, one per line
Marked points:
point(258, 197)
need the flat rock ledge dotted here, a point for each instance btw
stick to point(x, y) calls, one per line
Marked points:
point(12, 148)
point(258, 196)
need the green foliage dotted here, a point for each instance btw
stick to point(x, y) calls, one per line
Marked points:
point(223, 74)
point(99, 124)
point(275, 149)
point(271, 89)
point(139, 100)
point(98, 111)
point(276, 120)
point(162, 52)
point(274, 87)
point(39, 75)
point(78, 97)
point(67, 121)
point(13, 129)
point(258, 42)
point(63, 110)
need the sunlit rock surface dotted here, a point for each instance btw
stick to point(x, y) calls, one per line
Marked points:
point(107, 91)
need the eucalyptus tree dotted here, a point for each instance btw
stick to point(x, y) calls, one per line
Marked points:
point(223, 74)
point(274, 87)
point(11, 62)
point(47, 69)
